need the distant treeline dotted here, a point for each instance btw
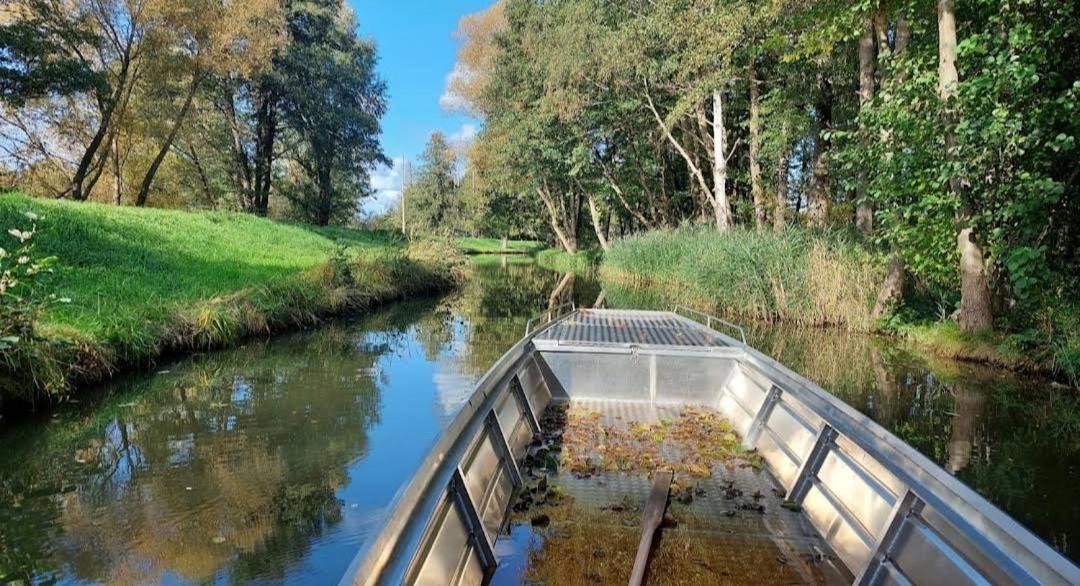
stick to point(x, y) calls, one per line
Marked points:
point(267, 106)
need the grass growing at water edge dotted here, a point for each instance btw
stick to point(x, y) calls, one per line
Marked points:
point(470, 245)
point(564, 262)
point(146, 282)
point(796, 276)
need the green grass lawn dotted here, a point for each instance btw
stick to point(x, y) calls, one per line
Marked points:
point(561, 261)
point(116, 264)
point(145, 281)
point(494, 246)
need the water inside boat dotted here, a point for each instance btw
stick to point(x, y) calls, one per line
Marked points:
point(727, 520)
point(773, 480)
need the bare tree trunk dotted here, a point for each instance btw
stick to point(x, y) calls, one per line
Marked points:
point(721, 205)
point(76, 189)
point(204, 181)
point(619, 193)
point(903, 34)
point(817, 209)
point(265, 133)
point(780, 209)
point(757, 192)
point(880, 29)
point(240, 155)
point(148, 179)
point(892, 290)
point(324, 211)
point(975, 311)
point(117, 170)
point(864, 213)
point(595, 214)
point(695, 170)
point(568, 243)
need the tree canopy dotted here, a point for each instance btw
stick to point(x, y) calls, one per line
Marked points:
point(269, 106)
point(943, 136)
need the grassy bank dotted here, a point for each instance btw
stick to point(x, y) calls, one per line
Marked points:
point(495, 246)
point(564, 262)
point(145, 283)
point(821, 280)
point(792, 276)
point(1030, 351)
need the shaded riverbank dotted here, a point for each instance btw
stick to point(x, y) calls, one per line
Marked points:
point(275, 460)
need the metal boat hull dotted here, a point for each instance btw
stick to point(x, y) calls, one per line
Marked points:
point(890, 515)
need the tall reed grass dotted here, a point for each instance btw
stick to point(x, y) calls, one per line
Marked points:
point(793, 276)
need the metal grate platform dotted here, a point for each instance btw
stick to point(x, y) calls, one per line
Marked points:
point(638, 328)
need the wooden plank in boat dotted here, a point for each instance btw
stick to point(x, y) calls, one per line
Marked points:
point(650, 521)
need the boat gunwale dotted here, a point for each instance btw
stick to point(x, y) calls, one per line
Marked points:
point(1013, 550)
point(923, 477)
point(418, 500)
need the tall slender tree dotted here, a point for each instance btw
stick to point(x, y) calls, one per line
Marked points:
point(975, 309)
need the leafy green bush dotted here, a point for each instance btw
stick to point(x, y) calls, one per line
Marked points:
point(23, 351)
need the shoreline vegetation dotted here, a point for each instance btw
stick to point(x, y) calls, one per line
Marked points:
point(803, 278)
point(820, 280)
point(471, 245)
point(891, 167)
point(146, 284)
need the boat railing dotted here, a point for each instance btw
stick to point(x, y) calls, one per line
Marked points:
point(709, 320)
point(446, 518)
point(549, 316)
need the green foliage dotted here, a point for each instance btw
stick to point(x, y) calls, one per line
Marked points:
point(23, 350)
point(1008, 134)
point(496, 246)
point(332, 98)
point(432, 202)
point(583, 261)
point(35, 63)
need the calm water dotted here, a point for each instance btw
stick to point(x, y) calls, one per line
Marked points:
point(276, 461)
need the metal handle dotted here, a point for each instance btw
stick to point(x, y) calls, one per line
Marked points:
point(551, 315)
point(709, 319)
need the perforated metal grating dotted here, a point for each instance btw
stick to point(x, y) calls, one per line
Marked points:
point(631, 327)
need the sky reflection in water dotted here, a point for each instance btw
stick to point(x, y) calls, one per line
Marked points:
point(276, 461)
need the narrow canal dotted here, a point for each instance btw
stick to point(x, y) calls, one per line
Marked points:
point(275, 461)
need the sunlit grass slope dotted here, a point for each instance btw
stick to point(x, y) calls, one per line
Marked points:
point(470, 245)
point(144, 281)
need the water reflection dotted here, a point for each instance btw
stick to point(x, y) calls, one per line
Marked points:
point(1013, 438)
point(275, 461)
point(269, 462)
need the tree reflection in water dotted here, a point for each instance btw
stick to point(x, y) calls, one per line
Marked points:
point(265, 463)
point(1013, 438)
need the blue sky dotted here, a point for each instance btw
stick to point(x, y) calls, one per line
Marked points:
point(417, 51)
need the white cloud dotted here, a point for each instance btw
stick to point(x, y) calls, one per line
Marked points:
point(464, 136)
point(450, 101)
point(386, 182)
